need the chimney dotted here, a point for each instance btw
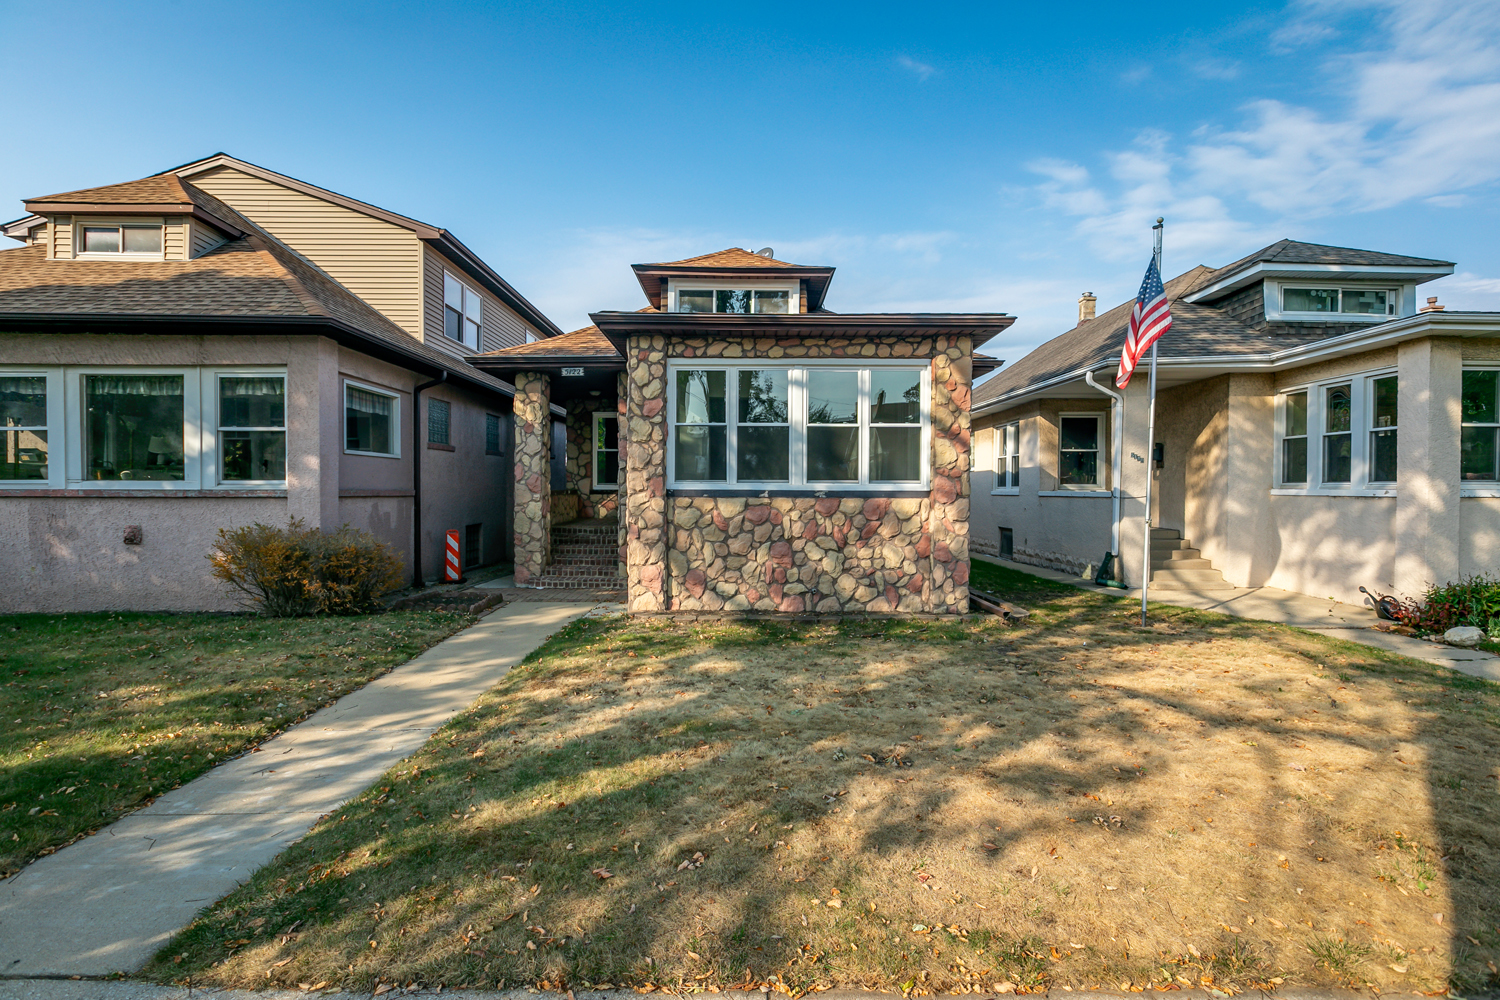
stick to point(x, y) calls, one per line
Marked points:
point(1086, 303)
point(1431, 306)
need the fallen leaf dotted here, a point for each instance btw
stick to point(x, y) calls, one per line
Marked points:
point(383, 988)
point(1398, 968)
point(603, 873)
point(1006, 987)
point(835, 903)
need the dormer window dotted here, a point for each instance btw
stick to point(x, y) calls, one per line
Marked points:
point(1349, 301)
point(734, 300)
point(124, 240)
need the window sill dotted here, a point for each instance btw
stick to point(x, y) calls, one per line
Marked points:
point(137, 493)
point(799, 491)
point(1087, 492)
point(1009, 491)
point(371, 454)
point(605, 488)
point(437, 446)
point(1479, 492)
point(1282, 491)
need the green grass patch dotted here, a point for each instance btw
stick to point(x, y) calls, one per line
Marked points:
point(101, 713)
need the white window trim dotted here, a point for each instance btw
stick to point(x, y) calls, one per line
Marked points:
point(793, 285)
point(1001, 456)
point(1100, 463)
point(79, 224)
point(797, 433)
point(1476, 487)
point(56, 418)
point(395, 419)
point(594, 481)
point(464, 318)
point(1361, 397)
point(1275, 295)
point(213, 458)
point(1077, 491)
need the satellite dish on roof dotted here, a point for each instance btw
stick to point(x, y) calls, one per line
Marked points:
point(765, 252)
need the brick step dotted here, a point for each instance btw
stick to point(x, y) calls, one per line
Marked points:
point(585, 550)
point(579, 583)
point(577, 569)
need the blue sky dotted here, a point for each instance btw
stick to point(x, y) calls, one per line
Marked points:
point(993, 157)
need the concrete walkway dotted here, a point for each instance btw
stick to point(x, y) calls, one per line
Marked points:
point(1342, 621)
point(108, 902)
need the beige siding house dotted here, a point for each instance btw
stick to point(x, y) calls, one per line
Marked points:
point(220, 344)
point(1318, 428)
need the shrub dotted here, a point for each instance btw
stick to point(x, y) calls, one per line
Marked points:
point(1474, 600)
point(296, 570)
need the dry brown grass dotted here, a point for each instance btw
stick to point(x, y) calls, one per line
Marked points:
point(931, 807)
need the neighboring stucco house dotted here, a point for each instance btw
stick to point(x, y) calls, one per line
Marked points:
point(220, 344)
point(757, 451)
point(1316, 430)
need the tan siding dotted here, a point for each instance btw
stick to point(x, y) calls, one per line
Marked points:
point(62, 236)
point(204, 238)
point(375, 260)
point(174, 238)
point(502, 326)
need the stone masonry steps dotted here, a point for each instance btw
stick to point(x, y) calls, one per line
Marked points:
point(1176, 565)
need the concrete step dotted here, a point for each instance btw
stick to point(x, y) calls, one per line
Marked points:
point(1168, 544)
point(1165, 533)
point(1190, 579)
point(1185, 563)
point(1175, 555)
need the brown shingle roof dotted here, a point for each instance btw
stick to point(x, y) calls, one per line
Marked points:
point(1197, 331)
point(162, 189)
point(733, 257)
point(1293, 252)
point(588, 344)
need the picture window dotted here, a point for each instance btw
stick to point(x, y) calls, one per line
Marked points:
point(133, 428)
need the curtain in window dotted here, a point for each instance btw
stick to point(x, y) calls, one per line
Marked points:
point(248, 386)
point(369, 402)
point(135, 385)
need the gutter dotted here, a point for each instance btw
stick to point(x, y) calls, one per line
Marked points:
point(416, 479)
point(1117, 422)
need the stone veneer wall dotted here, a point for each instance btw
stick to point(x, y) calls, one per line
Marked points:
point(533, 517)
point(859, 553)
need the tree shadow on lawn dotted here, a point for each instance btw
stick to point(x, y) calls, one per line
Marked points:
point(933, 806)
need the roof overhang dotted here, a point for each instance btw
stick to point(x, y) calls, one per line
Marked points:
point(110, 208)
point(18, 229)
point(1261, 270)
point(439, 239)
point(653, 278)
point(618, 325)
point(170, 325)
point(1180, 370)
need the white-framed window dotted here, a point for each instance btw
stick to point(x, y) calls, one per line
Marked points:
point(1008, 457)
point(372, 421)
point(1479, 460)
point(252, 428)
point(606, 450)
point(117, 240)
point(24, 428)
point(816, 426)
point(1078, 438)
point(1339, 436)
point(723, 297)
point(143, 428)
point(1310, 300)
point(463, 312)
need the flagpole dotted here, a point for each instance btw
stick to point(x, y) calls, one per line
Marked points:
point(1150, 441)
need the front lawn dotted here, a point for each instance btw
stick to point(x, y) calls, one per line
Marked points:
point(100, 713)
point(916, 806)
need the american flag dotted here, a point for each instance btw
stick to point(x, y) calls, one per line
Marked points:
point(1151, 317)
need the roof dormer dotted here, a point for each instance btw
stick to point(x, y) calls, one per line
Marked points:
point(734, 281)
point(154, 219)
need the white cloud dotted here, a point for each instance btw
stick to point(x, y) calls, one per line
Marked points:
point(921, 69)
point(1418, 118)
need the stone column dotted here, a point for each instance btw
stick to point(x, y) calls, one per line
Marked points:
point(1429, 378)
point(533, 449)
point(620, 441)
point(952, 371)
point(645, 444)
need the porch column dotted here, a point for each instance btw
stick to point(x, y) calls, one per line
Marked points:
point(1249, 553)
point(533, 515)
point(622, 458)
point(949, 521)
point(645, 448)
point(1429, 375)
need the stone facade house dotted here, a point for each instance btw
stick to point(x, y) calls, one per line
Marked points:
point(1317, 429)
point(753, 450)
point(220, 344)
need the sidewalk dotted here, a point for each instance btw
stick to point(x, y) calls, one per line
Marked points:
point(1342, 621)
point(106, 903)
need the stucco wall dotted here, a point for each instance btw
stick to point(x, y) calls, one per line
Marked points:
point(465, 486)
point(68, 554)
point(1329, 546)
point(902, 552)
point(1479, 531)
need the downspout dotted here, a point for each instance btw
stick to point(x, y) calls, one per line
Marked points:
point(1117, 422)
point(416, 479)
